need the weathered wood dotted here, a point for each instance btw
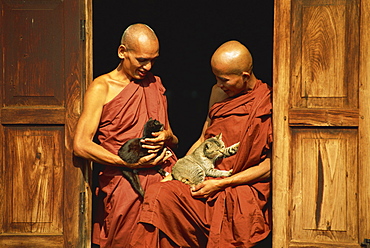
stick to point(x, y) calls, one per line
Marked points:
point(324, 33)
point(34, 180)
point(86, 167)
point(308, 244)
point(44, 241)
point(43, 71)
point(323, 117)
point(321, 123)
point(33, 60)
point(364, 130)
point(324, 183)
point(74, 84)
point(16, 115)
point(281, 149)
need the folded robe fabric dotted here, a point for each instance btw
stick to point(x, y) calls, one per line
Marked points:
point(235, 217)
point(122, 119)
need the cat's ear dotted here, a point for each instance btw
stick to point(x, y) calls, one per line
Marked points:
point(219, 136)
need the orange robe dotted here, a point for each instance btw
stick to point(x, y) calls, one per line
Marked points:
point(235, 217)
point(122, 119)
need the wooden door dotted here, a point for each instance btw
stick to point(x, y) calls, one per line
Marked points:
point(42, 191)
point(321, 191)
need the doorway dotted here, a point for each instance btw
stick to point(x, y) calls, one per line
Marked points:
point(189, 32)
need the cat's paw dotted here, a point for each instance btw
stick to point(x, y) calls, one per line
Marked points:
point(231, 150)
point(235, 147)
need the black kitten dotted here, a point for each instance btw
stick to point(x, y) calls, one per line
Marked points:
point(132, 151)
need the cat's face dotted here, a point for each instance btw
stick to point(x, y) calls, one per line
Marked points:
point(214, 147)
point(151, 126)
point(154, 125)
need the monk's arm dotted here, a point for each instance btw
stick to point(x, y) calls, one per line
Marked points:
point(83, 145)
point(253, 174)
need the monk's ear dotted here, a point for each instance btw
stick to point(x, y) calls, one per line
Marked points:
point(122, 51)
point(246, 75)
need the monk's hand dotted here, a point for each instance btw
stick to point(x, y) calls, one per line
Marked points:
point(157, 143)
point(152, 159)
point(206, 189)
point(167, 178)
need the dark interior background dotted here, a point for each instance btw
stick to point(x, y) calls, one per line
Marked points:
point(189, 32)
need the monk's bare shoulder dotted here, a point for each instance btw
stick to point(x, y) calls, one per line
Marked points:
point(217, 95)
point(98, 89)
point(110, 84)
point(107, 86)
point(100, 83)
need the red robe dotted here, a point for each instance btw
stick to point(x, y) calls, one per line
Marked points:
point(122, 119)
point(235, 217)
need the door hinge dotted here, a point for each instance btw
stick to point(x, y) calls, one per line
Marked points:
point(82, 202)
point(82, 30)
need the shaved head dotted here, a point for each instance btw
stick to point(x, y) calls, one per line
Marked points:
point(138, 51)
point(232, 57)
point(137, 34)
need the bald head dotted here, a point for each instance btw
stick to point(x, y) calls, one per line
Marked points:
point(137, 34)
point(232, 57)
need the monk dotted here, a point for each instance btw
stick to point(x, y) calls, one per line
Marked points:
point(116, 107)
point(223, 212)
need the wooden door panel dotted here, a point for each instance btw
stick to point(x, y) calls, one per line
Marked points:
point(324, 199)
point(33, 73)
point(325, 41)
point(42, 189)
point(35, 176)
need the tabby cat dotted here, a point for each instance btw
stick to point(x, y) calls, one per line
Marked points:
point(131, 152)
point(193, 168)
